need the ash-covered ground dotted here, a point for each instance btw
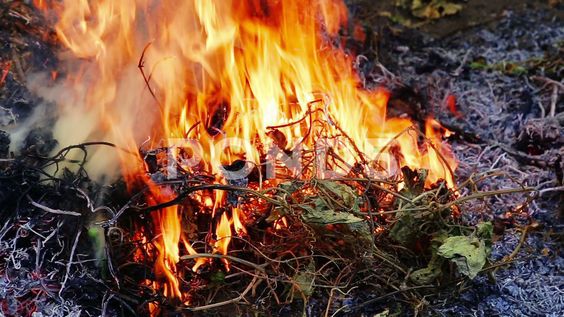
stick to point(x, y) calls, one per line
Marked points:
point(507, 80)
point(506, 115)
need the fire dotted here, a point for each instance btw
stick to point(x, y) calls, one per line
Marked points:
point(167, 246)
point(4, 71)
point(40, 4)
point(191, 251)
point(224, 73)
point(238, 217)
point(280, 223)
point(440, 165)
point(223, 233)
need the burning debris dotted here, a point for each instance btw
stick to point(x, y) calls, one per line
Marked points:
point(257, 169)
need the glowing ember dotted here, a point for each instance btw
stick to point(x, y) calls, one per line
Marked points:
point(224, 73)
point(450, 102)
point(280, 223)
point(4, 70)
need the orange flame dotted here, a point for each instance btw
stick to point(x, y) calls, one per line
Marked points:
point(218, 71)
point(40, 4)
point(168, 252)
point(440, 159)
point(281, 223)
point(191, 251)
point(238, 217)
point(223, 237)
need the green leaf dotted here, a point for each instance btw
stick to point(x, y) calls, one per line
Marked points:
point(511, 68)
point(426, 275)
point(433, 270)
point(289, 187)
point(343, 192)
point(314, 216)
point(404, 230)
point(304, 280)
point(98, 238)
point(353, 230)
point(484, 231)
point(362, 234)
point(478, 65)
point(469, 254)
point(218, 277)
point(276, 214)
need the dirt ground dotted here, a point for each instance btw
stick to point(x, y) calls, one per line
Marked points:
point(474, 13)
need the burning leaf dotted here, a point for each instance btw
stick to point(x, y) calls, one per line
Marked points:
point(414, 181)
point(451, 106)
point(468, 253)
point(216, 121)
point(223, 233)
point(238, 217)
point(278, 138)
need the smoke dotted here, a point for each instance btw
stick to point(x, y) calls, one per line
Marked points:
point(100, 95)
point(122, 118)
point(20, 130)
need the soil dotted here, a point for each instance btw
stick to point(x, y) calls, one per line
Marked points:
point(474, 14)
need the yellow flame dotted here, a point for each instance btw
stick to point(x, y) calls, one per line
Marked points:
point(238, 217)
point(223, 237)
point(216, 70)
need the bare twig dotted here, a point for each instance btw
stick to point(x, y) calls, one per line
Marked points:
point(231, 301)
point(141, 66)
point(69, 263)
point(227, 257)
point(54, 211)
